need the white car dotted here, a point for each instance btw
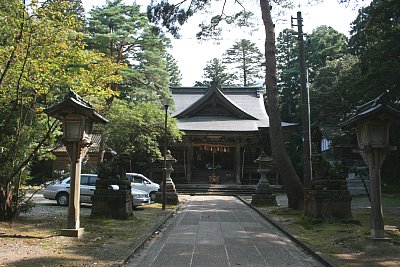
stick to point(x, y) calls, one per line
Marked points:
point(59, 191)
point(141, 182)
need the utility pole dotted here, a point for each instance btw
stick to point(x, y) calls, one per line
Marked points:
point(305, 111)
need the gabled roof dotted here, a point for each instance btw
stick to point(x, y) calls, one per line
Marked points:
point(216, 98)
point(237, 109)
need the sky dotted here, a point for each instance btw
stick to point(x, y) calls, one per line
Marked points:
point(192, 55)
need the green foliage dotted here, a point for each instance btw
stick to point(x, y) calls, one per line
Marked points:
point(124, 34)
point(215, 72)
point(175, 75)
point(294, 148)
point(42, 55)
point(165, 15)
point(73, 8)
point(171, 16)
point(288, 70)
point(324, 44)
point(245, 59)
point(375, 39)
point(333, 94)
point(135, 129)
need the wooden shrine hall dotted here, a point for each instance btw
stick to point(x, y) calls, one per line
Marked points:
point(226, 128)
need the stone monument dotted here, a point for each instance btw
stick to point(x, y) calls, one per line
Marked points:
point(328, 198)
point(263, 195)
point(113, 196)
point(171, 197)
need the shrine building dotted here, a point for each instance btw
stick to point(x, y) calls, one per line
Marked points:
point(225, 130)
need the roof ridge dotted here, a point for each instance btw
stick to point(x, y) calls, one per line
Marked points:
point(214, 90)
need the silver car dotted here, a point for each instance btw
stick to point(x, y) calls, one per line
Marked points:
point(141, 182)
point(59, 191)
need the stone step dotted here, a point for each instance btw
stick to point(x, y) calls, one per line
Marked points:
point(211, 189)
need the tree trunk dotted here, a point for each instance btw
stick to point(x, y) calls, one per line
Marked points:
point(291, 181)
point(102, 146)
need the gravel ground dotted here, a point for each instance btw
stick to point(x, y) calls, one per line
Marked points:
point(34, 238)
point(19, 244)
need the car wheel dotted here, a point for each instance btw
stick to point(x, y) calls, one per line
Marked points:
point(153, 196)
point(62, 199)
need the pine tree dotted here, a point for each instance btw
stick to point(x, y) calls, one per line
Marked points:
point(215, 72)
point(245, 61)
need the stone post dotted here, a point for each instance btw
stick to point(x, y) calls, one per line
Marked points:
point(263, 195)
point(171, 197)
point(328, 198)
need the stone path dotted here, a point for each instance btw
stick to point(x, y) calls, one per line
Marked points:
point(220, 231)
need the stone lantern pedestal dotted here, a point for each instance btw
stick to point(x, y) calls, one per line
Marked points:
point(263, 195)
point(113, 196)
point(328, 198)
point(171, 197)
point(110, 203)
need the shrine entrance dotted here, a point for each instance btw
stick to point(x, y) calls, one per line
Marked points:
point(214, 159)
point(226, 128)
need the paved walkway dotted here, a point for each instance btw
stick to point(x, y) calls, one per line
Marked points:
point(220, 231)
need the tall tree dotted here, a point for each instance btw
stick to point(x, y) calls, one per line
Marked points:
point(375, 39)
point(288, 75)
point(123, 33)
point(74, 9)
point(324, 44)
point(41, 56)
point(168, 15)
point(174, 73)
point(333, 95)
point(215, 72)
point(245, 60)
point(293, 185)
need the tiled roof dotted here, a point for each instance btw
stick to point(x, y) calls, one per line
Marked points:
point(247, 99)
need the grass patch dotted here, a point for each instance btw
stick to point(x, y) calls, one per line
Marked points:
point(346, 243)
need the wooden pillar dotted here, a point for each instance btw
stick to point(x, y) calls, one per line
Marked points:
point(76, 153)
point(237, 162)
point(189, 163)
point(374, 159)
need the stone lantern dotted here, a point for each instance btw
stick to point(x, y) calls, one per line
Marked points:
point(167, 192)
point(263, 195)
point(77, 117)
point(371, 123)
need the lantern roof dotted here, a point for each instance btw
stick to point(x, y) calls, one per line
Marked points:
point(263, 158)
point(74, 104)
point(376, 108)
point(168, 158)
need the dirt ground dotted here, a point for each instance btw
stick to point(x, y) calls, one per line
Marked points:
point(34, 239)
